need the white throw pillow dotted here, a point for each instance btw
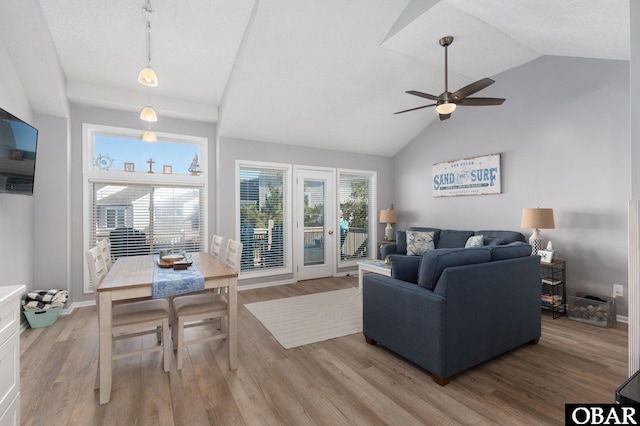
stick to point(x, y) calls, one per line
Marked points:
point(418, 242)
point(475, 241)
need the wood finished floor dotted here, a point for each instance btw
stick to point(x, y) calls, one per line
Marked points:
point(341, 381)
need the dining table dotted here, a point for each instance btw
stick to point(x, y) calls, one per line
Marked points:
point(131, 278)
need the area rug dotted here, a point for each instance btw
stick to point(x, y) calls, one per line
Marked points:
point(301, 320)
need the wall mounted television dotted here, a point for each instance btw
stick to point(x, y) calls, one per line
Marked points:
point(18, 141)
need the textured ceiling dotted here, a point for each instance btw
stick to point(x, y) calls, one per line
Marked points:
point(325, 74)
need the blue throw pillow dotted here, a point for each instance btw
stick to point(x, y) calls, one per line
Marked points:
point(493, 241)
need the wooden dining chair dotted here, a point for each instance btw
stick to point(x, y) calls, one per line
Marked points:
point(216, 248)
point(105, 250)
point(133, 319)
point(203, 309)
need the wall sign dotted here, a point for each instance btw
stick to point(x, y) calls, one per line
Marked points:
point(469, 176)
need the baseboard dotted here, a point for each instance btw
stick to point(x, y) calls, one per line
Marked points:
point(70, 308)
point(622, 319)
point(267, 284)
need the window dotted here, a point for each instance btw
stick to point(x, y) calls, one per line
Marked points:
point(143, 197)
point(263, 206)
point(355, 195)
point(146, 218)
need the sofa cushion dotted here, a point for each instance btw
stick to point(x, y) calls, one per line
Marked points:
point(453, 239)
point(509, 251)
point(474, 241)
point(419, 242)
point(506, 236)
point(405, 268)
point(401, 242)
point(433, 262)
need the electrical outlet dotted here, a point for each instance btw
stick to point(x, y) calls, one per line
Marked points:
point(618, 290)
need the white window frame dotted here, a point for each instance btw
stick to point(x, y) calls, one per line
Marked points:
point(90, 174)
point(286, 208)
point(373, 208)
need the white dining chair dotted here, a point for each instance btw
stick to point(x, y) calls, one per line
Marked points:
point(216, 248)
point(133, 319)
point(105, 251)
point(204, 308)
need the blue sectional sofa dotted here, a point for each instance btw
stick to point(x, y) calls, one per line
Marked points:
point(453, 308)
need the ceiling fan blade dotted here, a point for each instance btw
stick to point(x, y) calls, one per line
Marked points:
point(444, 116)
point(422, 95)
point(413, 109)
point(471, 89)
point(481, 101)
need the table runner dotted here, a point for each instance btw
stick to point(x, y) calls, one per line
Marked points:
point(169, 282)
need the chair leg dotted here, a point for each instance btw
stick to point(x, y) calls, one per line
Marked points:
point(166, 345)
point(180, 353)
point(159, 331)
point(96, 386)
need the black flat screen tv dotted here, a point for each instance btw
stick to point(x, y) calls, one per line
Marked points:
point(18, 141)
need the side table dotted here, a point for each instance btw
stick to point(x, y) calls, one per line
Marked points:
point(553, 276)
point(372, 265)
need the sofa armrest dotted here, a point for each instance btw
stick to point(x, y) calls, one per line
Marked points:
point(406, 318)
point(387, 249)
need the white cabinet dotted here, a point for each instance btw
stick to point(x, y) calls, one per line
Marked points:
point(10, 354)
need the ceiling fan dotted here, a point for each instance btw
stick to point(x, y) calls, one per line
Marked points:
point(446, 103)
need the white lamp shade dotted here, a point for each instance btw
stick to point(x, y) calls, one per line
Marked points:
point(148, 114)
point(147, 77)
point(149, 136)
point(446, 108)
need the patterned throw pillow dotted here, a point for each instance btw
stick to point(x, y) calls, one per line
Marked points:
point(418, 242)
point(475, 241)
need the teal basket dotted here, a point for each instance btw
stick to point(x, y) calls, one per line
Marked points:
point(43, 317)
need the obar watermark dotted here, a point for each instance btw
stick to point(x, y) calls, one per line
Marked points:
point(601, 414)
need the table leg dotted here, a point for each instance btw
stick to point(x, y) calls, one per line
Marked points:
point(360, 276)
point(232, 330)
point(104, 320)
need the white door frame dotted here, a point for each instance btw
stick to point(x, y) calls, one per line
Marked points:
point(331, 231)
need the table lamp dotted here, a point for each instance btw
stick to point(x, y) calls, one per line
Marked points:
point(537, 218)
point(389, 217)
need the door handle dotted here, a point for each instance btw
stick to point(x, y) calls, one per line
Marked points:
point(330, 232)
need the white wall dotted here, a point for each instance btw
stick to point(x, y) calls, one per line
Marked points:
point(564, 138)
point(230, 150)
point(16, 211)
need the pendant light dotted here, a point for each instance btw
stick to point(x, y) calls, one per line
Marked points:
point(147, 76)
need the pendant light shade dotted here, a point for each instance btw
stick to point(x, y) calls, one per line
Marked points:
point(149, 137)
point(147, 77)
point(148, 114)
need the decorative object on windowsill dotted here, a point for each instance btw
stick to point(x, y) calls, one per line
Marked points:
point(388, 216)
point(129, 167)
point(194, 168)
point(103, 162)
point(150, 161)
point(147, 77)
point(537, 218)
point(167, 170)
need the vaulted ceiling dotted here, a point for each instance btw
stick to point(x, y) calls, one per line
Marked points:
point(325, 74)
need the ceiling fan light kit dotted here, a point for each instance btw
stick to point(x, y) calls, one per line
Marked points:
point(447, 102)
